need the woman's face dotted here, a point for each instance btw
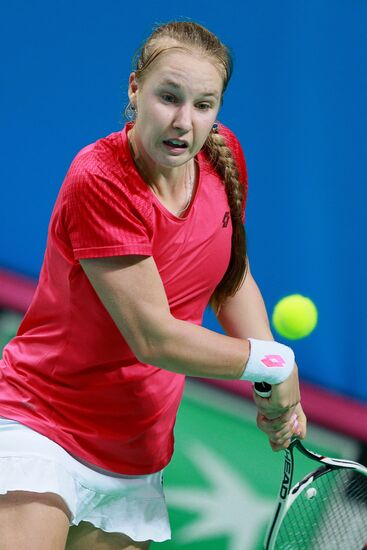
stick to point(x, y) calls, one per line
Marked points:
point(177, 103)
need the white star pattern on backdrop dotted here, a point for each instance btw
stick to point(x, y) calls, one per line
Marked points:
point(229, 508)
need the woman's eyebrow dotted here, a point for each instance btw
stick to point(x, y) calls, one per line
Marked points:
point(168, 82)
point(173, 84)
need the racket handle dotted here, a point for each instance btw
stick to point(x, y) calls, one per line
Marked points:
point(263, 389)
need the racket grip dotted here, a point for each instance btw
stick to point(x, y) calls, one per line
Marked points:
point(263, 389)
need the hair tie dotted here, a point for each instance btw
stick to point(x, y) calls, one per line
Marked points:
point(215, 128)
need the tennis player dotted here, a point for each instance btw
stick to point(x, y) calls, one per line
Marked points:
point(146, 231)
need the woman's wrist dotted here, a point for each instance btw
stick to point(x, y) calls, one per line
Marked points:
point(268, 361)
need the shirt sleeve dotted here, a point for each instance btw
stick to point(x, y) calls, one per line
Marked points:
point(103, 216)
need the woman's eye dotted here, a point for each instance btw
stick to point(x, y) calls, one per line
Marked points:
point(204, 106)
point(168, 98)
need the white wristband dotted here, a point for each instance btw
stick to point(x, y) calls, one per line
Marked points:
point(269, 362)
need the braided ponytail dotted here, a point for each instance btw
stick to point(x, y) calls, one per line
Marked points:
point(222, 159)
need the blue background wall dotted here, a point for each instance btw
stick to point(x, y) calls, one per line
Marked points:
point(297, 102)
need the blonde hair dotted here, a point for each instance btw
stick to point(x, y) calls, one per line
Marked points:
point(187, 34)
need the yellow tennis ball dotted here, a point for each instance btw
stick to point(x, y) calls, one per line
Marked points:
point(295, 317)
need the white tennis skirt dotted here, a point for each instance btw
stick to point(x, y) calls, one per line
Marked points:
point(132, 505)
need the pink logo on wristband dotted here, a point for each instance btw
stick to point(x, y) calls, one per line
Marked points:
point(273, 361)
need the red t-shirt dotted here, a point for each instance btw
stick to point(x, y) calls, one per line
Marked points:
point(69, 373)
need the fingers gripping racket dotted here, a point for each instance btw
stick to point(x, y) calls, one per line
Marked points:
point(327, 509)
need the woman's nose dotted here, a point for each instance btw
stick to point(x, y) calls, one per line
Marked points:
point(183, 118)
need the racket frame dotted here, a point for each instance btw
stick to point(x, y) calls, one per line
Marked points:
point(288, 493)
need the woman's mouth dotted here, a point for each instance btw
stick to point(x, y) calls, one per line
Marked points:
point(176, 144)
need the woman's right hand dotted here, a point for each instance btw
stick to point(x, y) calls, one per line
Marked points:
point(281, 430)
point(284, 397)
point(281, 415)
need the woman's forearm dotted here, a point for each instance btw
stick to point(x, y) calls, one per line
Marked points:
point(244, 315)
point(196, 351)
point(132, 292)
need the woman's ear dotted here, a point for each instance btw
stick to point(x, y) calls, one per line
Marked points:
point(133, 88)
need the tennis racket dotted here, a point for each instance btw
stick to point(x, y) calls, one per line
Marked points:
point(327, 509)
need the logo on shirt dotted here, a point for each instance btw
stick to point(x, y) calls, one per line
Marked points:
point(225, 219)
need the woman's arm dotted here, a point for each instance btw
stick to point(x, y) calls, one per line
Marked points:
point(132, 291)
point(244, 316)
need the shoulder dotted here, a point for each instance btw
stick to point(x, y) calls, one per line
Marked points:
point(229, 136)
point(104, 168)
point(104, 156)
point(102, 180)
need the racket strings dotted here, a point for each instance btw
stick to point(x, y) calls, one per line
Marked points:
point(334, 517)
